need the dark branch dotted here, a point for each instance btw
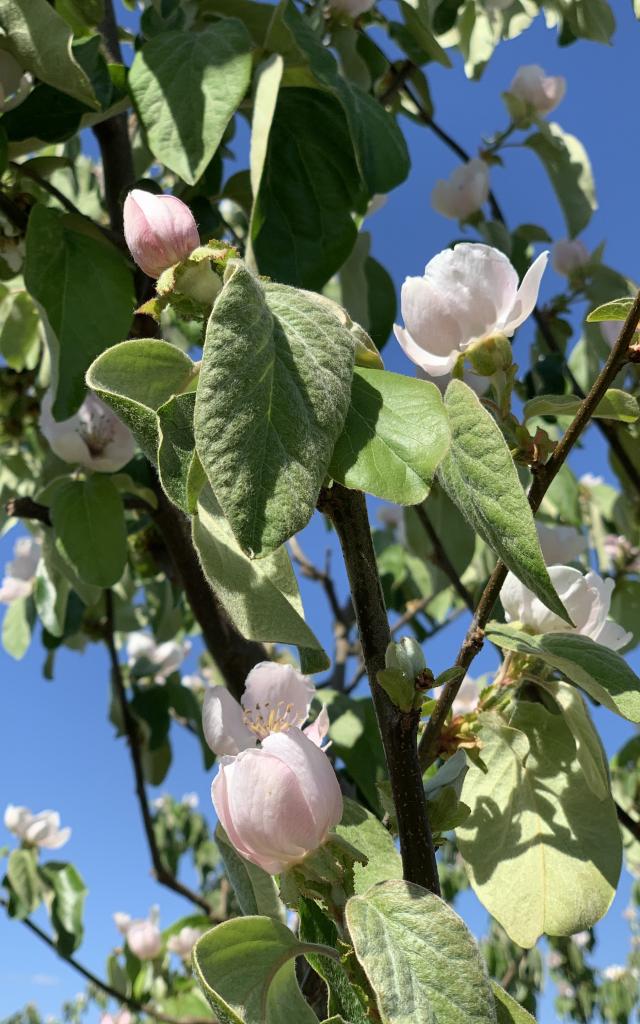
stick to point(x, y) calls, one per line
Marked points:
point(347, 511)
point(441, 558)
point(132, 732)
point(93, 979)
point(628, 822)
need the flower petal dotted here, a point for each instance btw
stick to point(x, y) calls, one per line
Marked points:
point(223, 723)
point(527, 294)
point(271, 686)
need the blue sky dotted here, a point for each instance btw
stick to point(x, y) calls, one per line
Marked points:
point(58, 749)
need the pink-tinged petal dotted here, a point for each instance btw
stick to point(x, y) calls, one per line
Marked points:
point(314, 772)
point(159, 230)
point(319, 728)
point(272, 688)
point(223, 723)
point(12, 589)
point(431, 316)
point(478, 283)
point(527, 295)
point(599, 593)
point(430, 364)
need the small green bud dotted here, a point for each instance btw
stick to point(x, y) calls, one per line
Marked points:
point(399, 688)
point(490, 355)
point(406, 655)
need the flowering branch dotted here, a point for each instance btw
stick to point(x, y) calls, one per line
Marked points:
point(163, 876)
point(133, 1004)
point(347, 511)
point(544, 474)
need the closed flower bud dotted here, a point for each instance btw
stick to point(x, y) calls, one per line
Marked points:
point(464, 192)
point(144, 939)
point(587, 599)
point(490, 355)
point(541, 92)
point(160, 230)
point(93, 437)
point(407, 656)
point(352, 8)
point(467, 294)
point(569, 255)
point(277, 802)
point(184, 941)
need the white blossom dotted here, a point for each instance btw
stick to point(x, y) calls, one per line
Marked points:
point(540, 91)
point(560, 543)
point(466, 699)
point(19, 573)
point(569, 255)
point(93, 437)
point(464, 192)
point(164, 658)
point(42, 829)
point(184, 941)
point(614, 972)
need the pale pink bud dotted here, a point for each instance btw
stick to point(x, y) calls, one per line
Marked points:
point(464, 192)
point(540, 91)
point(467, 293)
point(569, 255)
point(277, 802)
point(183, 942)
point(144, 939)
point(352, 8)
point(160, 230)
point(587, 599)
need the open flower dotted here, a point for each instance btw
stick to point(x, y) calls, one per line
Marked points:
point(276, 698)
point(93, 437)
point(184, 941)
point(560, 543)
point(277, 802)
point(540, 91)
point(142, 934)
point(464, 192)
point(587, 599)
point(162, 659)
point(21, 570)
point(569, 255)
point(466, 699)
point(467, 294)
point(160, 230)
point(41, 829)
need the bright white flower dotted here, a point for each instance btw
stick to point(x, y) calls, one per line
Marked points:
point(614, 972)
point(276, 698)
point(540, 91)
point(590, 480)
point(161, 803)
point(466, 699)
point(352, 8)
point(554, 959)
point(41, 829)
point(569, 254)
point(21, 570)
point(15, 83)
point(165, 658)
point(587, 599)
point(93, 437)
point(184, 941)
point(195, 683)
point(467, 294)
point(464, 192)
point(560, 543)
point(122, 921)
point(581, 939)
point(565, 990)
point(190, 800)
point(144, 938)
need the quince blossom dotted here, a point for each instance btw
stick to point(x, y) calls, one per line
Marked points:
point(21, 570)
point(41, 829)
point(464, 192)
point(184, 941)
point(569, 255)
point(467, 294)
point(93, 437)
point(164, 658)
point(159, 230)
point(143, 936)
point(560, 543)
point(540, 91)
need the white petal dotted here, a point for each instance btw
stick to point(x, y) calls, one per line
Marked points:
point(319, 728)
point(223, 723)
point(527, 294)
point(613, 636)
point(271, 687)
point(432, 365)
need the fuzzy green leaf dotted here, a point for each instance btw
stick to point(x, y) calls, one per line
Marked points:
point(567, 164)
point(617, 309)
point(88, 517)
point(614, 405)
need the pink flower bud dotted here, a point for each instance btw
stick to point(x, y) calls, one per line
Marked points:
point(569, 254)
point(160, 230)
point(463, 192)
point(540, 91)
point(278, 802)
point(144, 939)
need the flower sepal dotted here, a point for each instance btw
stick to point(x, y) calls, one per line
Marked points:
point(191, 286)
point(490, 355)
point(326, 875)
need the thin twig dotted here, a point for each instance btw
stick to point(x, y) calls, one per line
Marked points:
point(441, 558)
point(544, 475)
point(629, 823)
point(132, 732)
point(89, 976)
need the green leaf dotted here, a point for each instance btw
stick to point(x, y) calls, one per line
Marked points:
point(255, 890)
point(590, 19)
point(315, 926)
point(368, 835)
point(567, 164)
point(542, 853)
point(67, 906)
point(479, 475)
point(617, 309)
point(260, 596)
point(88, 517)
point(381, 300)
point(41, 41)
point(354, 733)
point(625, 607)
point(22, 875)
point(266, 88)
point(272, 398)
point(614, 405)
point(508, 1010)
point(136, 378)
point(589, 749)
point(303, 229)
point(601, 673)
point(186, 87)
point(71, 271)
point(181, 472)
point(419, 957)
point(16, 628)
point(417, 16)
point(20, 331)
point(50, 596)
point(246, 969)
point(395, 436)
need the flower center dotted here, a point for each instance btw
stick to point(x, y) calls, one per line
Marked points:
point(267, 718)
point(97, 432)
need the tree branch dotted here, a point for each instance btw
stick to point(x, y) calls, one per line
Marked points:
point(89, 976)
point(441, 558)
point(544, 475)
point(628, 822)
point(132, 732)
point(347, 511)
